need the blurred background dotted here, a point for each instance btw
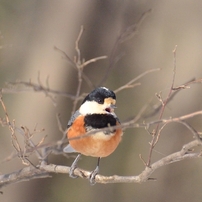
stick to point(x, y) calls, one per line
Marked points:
point(29, 31)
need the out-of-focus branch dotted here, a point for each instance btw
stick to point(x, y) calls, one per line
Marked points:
point(124, 35)
point(25, 174)
point(132, 83)
point(14, 87)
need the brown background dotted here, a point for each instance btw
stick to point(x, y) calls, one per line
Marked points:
point(31, 29)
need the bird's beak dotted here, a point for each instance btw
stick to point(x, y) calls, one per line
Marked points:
point(113, 106)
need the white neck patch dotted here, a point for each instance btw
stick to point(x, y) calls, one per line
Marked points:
point(91, 107)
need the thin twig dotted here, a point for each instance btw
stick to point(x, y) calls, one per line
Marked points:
point(155, 137)
point(86, 79)
point(35, 87)
point(80, 65)
point(78, 57)
point(125, 35)
point(176, 90)
point(131, 84)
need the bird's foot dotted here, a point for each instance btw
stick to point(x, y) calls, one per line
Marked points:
point(73, 167)
point(71, 172)
point(93, 175)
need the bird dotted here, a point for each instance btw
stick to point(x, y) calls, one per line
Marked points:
point(96, 112)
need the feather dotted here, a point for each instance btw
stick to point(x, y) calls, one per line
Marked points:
point(73, 117)
point(69, 149)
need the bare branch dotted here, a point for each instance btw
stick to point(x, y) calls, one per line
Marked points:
point(94, 60)
point(156, 135)
point(35, 87)
point(80, 64)
point(86, 79)
point(25, 174)
point(176, 90)
point(131, 84)
point(124, 35)
point(65, 56)
point(78, 58)
point(133, 123)
point(45, 170)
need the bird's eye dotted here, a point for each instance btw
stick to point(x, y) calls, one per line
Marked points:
point(99, 101)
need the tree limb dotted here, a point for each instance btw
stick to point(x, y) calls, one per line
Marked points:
point(44, 171)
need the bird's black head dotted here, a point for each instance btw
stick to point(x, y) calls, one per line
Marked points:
point(99, 95)
point(99, 101)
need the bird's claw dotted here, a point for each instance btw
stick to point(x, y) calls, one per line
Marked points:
point(93, 175)
point(71, 172)
point(73, 167)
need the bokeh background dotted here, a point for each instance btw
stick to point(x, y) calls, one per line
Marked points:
point(31, 28)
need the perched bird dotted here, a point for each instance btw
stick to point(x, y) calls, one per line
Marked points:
point(96, 112)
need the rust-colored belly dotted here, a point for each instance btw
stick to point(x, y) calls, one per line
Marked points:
point(96, 145)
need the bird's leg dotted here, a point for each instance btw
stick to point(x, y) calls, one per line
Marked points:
point(74, 166)
point(94, 173)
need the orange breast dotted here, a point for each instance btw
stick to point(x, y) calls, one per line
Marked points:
point(96, 145)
